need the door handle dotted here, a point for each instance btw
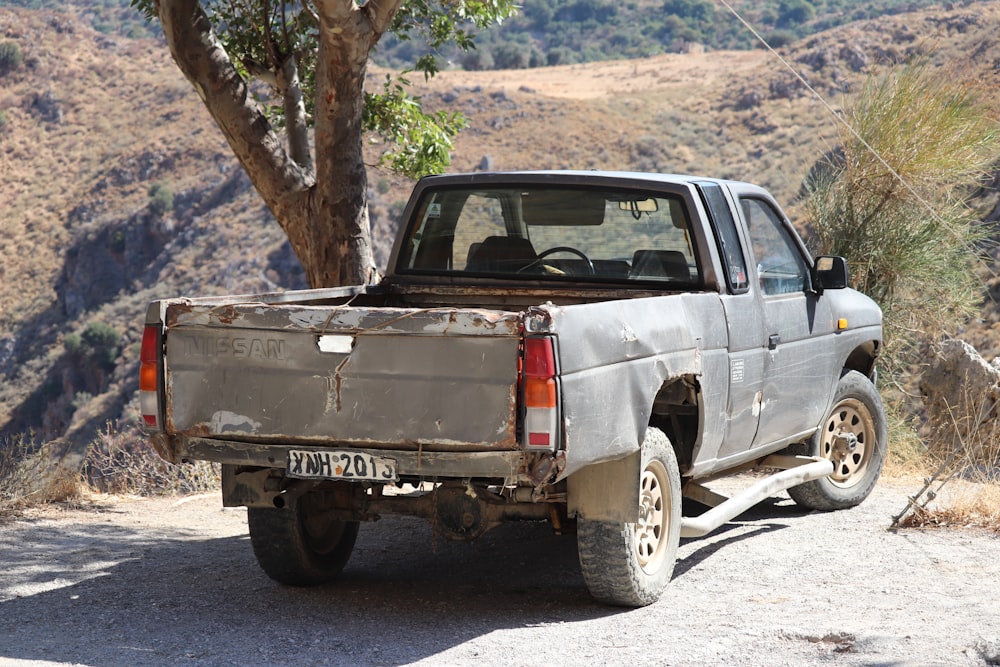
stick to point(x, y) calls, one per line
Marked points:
point(773, 340)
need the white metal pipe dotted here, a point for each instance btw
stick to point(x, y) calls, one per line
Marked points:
point(699, 526)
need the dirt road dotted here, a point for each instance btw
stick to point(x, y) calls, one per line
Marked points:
point(158, 582)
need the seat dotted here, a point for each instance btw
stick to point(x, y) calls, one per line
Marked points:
point(506, 254)
point(434, 253)
point(670, 264)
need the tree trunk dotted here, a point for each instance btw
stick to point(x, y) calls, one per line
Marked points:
point(341, 231)
point(327, 224)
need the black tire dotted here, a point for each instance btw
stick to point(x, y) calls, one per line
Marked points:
point(629, 564)
point(301, 545)
point(854, 435)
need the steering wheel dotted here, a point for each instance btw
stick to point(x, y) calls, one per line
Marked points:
point(561, 248)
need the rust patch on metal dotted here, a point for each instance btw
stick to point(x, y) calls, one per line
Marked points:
point(338, 384)
point(175, 310)
point(164, 445)
point(226, 314)
point(197, 431)
point(510, 436)
point(545, 469)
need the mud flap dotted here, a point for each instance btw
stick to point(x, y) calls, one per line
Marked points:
point(606, 491)
point(245, 488)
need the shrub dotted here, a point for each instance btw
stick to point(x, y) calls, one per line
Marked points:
point(29, 476)
point(161, 199)
point(794, 12)
point(122, 461)
point(892, 200)
point(476, 60)
point(117, 242)
point(98, 344)
point(512, 56)
point(780, 38)
point(10, 57)
point(102, 342)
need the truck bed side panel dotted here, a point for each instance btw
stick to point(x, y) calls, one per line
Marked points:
point(616, 354)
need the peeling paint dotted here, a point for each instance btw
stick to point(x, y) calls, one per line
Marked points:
point(331, 396)
point(224, 421)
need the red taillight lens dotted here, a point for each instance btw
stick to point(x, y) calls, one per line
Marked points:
point(539, 358)
point(149, 357)
point(149, 375)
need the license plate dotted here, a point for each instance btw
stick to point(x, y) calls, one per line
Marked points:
point(326, 464)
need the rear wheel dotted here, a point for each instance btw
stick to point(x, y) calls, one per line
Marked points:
point(854, 436)
point(301, 545)
point(629, 564)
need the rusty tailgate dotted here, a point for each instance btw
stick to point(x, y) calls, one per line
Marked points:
point(442, 378)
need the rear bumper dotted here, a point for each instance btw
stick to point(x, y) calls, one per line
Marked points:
point(508, 465)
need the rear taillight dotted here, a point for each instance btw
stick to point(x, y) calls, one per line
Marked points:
point(540, 393)
point(149, 376)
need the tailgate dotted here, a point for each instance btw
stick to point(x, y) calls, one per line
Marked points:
point(391, 377)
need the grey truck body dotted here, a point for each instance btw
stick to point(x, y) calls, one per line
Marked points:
point(732, 354)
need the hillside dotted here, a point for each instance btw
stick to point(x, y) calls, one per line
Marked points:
point(99, 129)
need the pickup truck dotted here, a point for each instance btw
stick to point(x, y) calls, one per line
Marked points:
point(585, 348)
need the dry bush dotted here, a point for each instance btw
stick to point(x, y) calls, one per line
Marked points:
point(893, 200)
point(907, 453)
point(30, 475)
point(963, 448)
point(965, 505)
point(119, 461)
point(122, 461)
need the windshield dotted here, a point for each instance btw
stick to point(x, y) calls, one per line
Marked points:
point(552, 233)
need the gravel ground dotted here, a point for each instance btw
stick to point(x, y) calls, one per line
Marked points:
point(132, 582)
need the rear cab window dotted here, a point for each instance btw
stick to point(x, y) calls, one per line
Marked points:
point(553, 233)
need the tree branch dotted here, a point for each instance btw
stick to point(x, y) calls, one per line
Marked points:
point(380, 14)
point(202, 59)
point(295, 114)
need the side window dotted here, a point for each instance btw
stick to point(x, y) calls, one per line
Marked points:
point(780, 266)
point(725, 233)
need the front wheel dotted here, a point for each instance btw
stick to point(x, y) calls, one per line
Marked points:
point(854, 436)
point(301, 545)
point(629, 564)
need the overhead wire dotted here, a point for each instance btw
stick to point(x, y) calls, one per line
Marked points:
point(839, 118)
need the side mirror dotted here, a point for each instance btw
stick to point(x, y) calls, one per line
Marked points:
point(829, 273)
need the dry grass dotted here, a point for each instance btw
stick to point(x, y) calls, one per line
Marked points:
point(963, 504)
point(122, 461)
point(961, 454)
point(28, 477)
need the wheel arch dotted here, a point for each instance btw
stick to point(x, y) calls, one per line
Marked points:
point(862, 358)
point(677, 411)
point(606, 491)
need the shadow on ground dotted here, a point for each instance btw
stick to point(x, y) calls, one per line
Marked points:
point(101, 594)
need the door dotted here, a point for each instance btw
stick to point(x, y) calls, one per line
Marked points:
point(798, 359)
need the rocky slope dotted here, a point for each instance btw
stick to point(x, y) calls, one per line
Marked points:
point(117, 188)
